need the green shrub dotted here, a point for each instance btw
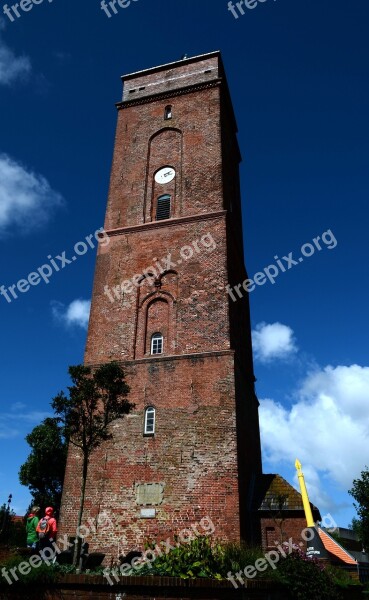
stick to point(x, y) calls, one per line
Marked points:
point(44, 575)
point(193, 559)
point(341, 577)
point(234, 557)
point(200, 558)
point(305, 578)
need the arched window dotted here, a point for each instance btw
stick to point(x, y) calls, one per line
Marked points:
point(157, 344)
point(168, 112)
point(149, 426)
point(163, 208)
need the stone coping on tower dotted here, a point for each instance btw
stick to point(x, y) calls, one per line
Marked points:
point(165, 66)
point(165, 223)
point(188, 89)
point(171, 357)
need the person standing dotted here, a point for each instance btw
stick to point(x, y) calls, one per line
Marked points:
point(47, 529)
point(31, 526)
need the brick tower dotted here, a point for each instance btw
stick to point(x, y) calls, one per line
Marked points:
point(160, 306)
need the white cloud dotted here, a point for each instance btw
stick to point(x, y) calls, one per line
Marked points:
point(327, 428)
point(77, 313)
point(7, 432)
point(273, 341)
point(26, 199)
point(12, 67)
point(11, 422)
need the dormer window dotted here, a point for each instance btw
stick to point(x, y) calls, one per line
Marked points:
point(168, 113)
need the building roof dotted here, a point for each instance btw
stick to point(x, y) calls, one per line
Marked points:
point(17, 519)
point(360, 557)
point(334, 548)
point(271, 488)
point(350, 541)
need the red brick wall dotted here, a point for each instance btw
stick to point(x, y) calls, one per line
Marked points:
point(206, 447)
point(148, 588)
point(145, 588)
point(194, 453)
point(196, 296)
point(292, 527)
point(190, 143)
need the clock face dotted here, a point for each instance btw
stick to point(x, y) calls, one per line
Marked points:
point(165, 175)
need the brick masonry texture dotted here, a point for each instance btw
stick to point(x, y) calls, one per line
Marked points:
point(194, 453)
point(292, 527)
point(196, 312)
point(206, 448)
point(141, 148)
point(147, 588)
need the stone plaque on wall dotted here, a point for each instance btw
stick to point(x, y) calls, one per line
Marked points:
point(149, 494)
point(148, 513)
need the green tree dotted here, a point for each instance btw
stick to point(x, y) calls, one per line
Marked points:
point(95, 400)
point(6, 514)
point(360, 492)
point(355, 526)
point(43, 471)
point(11, 530)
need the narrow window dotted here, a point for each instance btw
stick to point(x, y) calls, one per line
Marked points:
point(270, 537)
point(168, 112)
point(163, 208)
point(157, 344)
point(149, 428)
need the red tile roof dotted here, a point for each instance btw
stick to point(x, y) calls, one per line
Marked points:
point(335, 548)
point(17, 519)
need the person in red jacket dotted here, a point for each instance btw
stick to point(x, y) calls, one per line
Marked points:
point(47, 528)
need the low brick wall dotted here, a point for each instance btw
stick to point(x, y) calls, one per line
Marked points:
point(83, 587)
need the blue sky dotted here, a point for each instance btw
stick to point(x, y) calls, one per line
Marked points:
point(298, 75)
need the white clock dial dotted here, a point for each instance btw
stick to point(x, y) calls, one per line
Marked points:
point(165, 175)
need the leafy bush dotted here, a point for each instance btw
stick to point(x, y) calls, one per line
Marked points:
point(235, 557)
point(306, 578)
point(44, 575)
point(199, 558)
point(193, 559)
point(341, 577)
point(12, 533)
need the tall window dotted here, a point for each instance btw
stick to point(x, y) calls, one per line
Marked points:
point(163, 208)
point(149, 427)
point(157, 344)
point(168, 112)
point(270, 535)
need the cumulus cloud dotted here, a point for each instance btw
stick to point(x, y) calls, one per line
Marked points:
point(273, 341)
point(26, 199)
point(327, 428)
point(12, 67)
point(77, 313)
